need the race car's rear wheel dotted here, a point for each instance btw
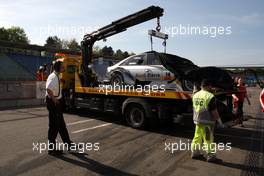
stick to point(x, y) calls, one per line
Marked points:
point(187, 85)
point(117, 79)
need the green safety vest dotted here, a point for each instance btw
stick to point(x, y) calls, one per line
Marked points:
point(201, 114)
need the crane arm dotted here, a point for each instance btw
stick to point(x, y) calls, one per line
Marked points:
point(114, 28)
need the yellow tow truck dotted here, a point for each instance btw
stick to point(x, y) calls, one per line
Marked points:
point(137, 107)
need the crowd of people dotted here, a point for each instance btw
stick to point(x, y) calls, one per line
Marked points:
point(205, 115)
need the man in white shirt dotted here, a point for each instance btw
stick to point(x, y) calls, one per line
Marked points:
point(55, 108)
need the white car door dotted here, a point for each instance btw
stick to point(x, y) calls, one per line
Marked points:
point(135, 66)
point(154, 71)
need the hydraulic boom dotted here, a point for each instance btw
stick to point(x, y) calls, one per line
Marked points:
point(109, 30)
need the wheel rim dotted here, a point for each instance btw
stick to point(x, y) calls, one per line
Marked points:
point(136, 117)
point(188, 85)
point(117, 80)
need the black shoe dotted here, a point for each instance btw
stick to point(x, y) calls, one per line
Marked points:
point(241, 125)
point(55, 152)
point(72, 147)
point(213, 159)
point(197, 155)
point(75, 146)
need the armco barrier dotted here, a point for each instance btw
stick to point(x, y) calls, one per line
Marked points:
point(21, 93)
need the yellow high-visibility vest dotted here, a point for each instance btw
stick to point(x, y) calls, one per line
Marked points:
point(201, 113)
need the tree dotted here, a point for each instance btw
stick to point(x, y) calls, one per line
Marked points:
point(73, 45)
point(131, 54)
point(107, 51)
point(118, 54)
point(3, 34)
point(53, 42)
point(125, 54)
point(64, 44)
point(14, 34)
point(97, 50)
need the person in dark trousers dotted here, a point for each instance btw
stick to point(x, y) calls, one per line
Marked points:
point(54, 106)
point(239, 100)
point(205, 115)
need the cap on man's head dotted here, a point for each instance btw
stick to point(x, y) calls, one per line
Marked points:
point(205, 83)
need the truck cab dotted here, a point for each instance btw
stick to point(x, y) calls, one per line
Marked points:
point(70, 63)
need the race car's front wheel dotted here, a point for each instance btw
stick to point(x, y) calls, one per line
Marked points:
point(116, 79)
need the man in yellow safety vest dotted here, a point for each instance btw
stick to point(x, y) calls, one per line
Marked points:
point(205, 115)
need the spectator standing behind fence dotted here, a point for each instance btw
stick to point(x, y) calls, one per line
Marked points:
point(39, 74)
point(45, 72)
point(239, 100)
point(42, 73)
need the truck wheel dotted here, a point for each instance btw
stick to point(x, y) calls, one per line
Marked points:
point(116, 79)
point(135, 116)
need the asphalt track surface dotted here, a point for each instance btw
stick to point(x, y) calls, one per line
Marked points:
point(115, 149)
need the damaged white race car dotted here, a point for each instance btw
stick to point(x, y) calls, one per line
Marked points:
point(152, 68)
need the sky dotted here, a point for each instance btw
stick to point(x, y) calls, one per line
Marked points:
point(228, 32)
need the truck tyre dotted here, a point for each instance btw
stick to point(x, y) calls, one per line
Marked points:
point(135, 115)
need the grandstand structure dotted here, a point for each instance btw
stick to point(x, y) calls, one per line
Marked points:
point(18, 66)
point(253, 74)
point(20, 62)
